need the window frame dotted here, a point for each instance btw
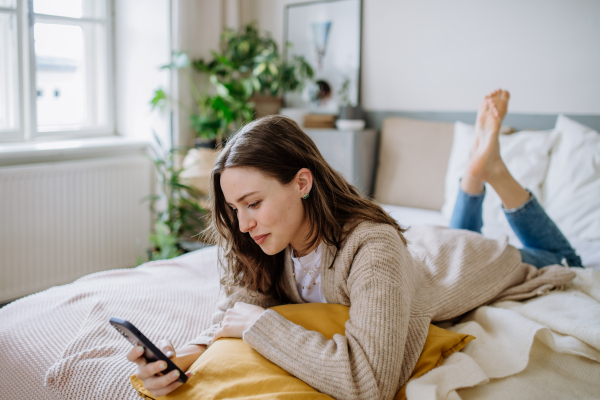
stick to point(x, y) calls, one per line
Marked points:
point(19, 133)
point(28, 129)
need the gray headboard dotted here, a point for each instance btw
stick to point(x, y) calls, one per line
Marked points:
point(518, 121)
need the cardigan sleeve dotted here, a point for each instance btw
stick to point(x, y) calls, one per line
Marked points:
point(236, 295)
point(366, 363)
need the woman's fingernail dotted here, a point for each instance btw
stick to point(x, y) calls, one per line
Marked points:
point(189, 374)
point(141, 349)
point(175, 374)
point(170, 354)
point(163, 365)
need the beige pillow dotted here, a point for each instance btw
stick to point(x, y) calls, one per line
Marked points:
point(413, 156)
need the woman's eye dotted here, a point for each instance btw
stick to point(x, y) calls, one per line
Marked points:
point(254, 205)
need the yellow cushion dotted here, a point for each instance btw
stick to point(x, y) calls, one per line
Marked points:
point(231, 369)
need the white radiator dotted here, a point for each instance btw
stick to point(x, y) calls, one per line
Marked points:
point(60, 221)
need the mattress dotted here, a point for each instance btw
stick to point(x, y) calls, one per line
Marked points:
point(588, 250)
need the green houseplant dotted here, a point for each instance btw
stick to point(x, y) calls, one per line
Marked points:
point(246, 70)
point(214, 111)
point(179, 215)
point(246, 66)
point(252, 61)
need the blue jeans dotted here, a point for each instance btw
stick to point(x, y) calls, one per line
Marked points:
point(543, 243)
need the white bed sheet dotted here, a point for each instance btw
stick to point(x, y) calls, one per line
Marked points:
point(588, 250)
point(524, 350)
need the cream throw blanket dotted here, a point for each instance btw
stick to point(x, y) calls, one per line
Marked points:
point(547, 347)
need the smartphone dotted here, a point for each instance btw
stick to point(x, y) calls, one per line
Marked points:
point(151, 352)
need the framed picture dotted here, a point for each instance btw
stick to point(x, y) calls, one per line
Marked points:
point(328, 35)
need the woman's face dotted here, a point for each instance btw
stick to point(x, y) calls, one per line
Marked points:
point(271, 213)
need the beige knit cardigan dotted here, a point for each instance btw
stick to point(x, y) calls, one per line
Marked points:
point(393, 291)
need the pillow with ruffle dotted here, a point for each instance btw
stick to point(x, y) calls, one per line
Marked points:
point(231, 369)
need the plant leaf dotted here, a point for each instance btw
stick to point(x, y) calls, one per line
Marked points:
point(179, 59)
point(159, 100)
point(260, 68)
point(273, 69)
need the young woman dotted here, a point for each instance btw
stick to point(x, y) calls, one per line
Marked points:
point(291, 230)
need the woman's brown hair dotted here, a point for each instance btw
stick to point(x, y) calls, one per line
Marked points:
point(277, 147)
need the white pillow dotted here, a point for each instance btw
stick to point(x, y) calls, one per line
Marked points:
point(525, 153)
point(572, 187)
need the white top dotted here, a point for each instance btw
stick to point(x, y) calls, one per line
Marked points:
point(307, 271)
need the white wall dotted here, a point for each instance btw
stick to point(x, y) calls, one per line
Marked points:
point(437, 55)
point(197, 27)
point(142, 45)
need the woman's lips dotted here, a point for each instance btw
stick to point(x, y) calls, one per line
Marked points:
point(260, 239)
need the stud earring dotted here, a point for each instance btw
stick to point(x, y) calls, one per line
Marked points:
point(305, 196)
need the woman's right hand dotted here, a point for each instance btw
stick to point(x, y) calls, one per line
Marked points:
point(160, 385)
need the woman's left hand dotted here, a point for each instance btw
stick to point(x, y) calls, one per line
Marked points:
point(238, 319)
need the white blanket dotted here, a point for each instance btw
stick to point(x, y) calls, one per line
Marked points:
point(547, 347)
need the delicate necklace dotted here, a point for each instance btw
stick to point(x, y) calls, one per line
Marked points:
point(307, 271)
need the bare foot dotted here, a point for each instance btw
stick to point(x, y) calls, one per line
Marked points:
point(485, 156)
point(485, 164)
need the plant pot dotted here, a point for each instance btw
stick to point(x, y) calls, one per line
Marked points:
point(205, 143)
point(266, 105)
point(350, 112)
point(198, 164)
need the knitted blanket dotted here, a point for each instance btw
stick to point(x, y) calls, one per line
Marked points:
point(58, 344)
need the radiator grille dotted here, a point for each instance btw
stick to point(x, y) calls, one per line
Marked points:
point(60, 221)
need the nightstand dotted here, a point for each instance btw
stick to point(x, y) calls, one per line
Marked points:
point(352, 153)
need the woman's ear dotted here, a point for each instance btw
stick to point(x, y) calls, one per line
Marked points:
point(304, 179)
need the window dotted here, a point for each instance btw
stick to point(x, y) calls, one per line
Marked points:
point(55, 75)
point(10, 86)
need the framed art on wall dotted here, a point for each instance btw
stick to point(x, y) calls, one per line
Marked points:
point(328, 35)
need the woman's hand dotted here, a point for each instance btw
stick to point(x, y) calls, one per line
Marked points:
point(160, 385)
point(238, 319)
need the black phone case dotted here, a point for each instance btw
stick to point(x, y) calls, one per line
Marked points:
point(151, 352)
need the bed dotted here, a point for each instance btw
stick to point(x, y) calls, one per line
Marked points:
point(57, 344)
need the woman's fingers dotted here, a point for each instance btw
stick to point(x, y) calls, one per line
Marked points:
point(161, 382)
point(237, 319)
point(167, 348)
point(135, 355)
point(158, 385)
point(149, 370)
point(166, 390)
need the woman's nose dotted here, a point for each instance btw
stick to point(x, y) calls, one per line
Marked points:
point(246, 223)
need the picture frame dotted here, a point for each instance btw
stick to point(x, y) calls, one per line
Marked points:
point(328, 35)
